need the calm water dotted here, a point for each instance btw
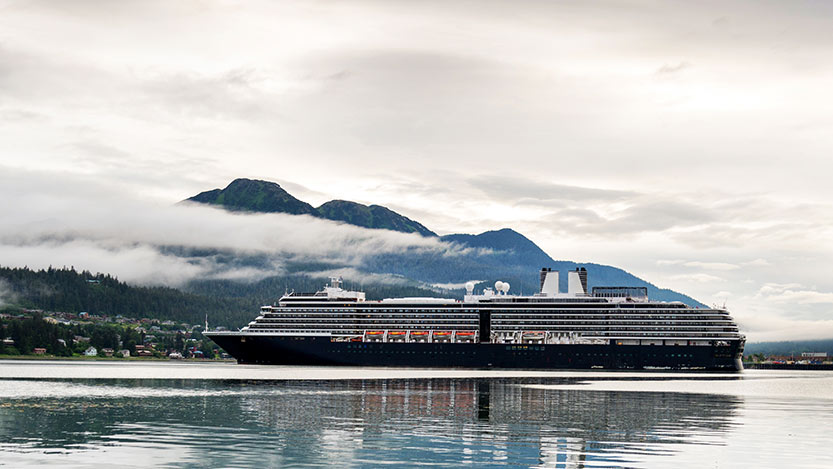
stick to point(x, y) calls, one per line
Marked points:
point(80, 414)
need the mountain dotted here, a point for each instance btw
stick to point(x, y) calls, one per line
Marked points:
point(251, 195)
point(524, 251)
point(373, 216)
point(504, 254)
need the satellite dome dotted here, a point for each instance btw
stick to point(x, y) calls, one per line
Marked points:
point(505, 287)
point(499, 285)
point(469, 287)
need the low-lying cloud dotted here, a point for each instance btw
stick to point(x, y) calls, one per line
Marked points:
point(7, 296)
point(91, 226)
point(794, 293)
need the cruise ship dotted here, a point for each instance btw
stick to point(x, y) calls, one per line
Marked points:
point(604, 328)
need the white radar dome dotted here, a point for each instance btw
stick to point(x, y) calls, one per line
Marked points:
point(469, 287)
point(499, 285)
point(505, 287)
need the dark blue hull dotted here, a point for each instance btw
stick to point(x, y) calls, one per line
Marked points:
point(312, 351)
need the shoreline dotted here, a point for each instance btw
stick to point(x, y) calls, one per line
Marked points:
point(23, 358)
point(112, 359)
point(788, 366)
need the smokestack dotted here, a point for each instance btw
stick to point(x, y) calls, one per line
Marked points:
point(549, 282)
point(575, 286)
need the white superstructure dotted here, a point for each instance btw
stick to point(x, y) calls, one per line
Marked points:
point(616, 315)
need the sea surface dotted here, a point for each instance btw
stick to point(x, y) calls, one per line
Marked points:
point(143, 414)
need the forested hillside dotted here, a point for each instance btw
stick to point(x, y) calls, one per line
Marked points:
point(790, 348)
point(227, 303)
point(67, 290)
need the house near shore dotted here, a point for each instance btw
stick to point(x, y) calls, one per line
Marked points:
point(91, 352)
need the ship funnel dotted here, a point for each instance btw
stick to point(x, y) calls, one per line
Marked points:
point(577, 282)
point(336, 282)
point(549, 282)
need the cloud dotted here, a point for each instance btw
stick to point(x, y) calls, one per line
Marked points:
point(759, 262)
point(701, 278)
point(92, 226)
point(662, 214)
point(352, 275)
point(804, 297)
point(712, 265)
point(233, 93)
point(32, 76)
point(793, 293)
point(669, 261)
point(765, 328)
point(531, 191)
point(455, 286)
point(777, 288)
point(19, 116)
point(136, 263)
point(668, 69)
point(634, 214)
point(7, 295)
point(578, 217)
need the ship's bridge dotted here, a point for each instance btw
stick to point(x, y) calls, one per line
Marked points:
point(331, 292)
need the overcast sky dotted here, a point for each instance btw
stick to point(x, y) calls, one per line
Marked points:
point(686, 142)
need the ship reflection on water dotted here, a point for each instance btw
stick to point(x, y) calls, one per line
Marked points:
point(352, 423)
point(483, 422)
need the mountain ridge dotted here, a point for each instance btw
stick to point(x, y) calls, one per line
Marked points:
point(255, 195)
point(371, 216)
point(252, 195)
point(502, 254)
